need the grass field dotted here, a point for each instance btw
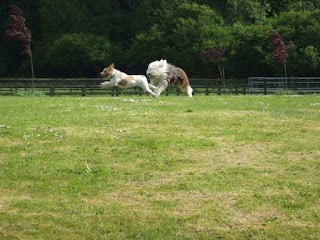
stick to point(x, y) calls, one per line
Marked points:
point(215, 167)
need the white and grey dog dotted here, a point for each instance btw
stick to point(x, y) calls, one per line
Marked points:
point(120, 79)
point(162, 74)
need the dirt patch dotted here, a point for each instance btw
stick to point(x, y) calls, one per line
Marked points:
point(5, 142)
point(255, 219)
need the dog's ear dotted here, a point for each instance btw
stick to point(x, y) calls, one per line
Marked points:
point(112, 65)
point(161, 63)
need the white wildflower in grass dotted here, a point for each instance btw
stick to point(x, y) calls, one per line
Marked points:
point(137, 100)
point(27, 135)
point(53, 132)
point(108, 108)
point(129, 100)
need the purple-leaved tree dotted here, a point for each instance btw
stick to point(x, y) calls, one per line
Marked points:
point(215, 55)
point(18, 31)
point(280, 53)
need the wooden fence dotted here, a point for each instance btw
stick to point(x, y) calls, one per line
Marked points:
point(269, 85)
point(90, 86)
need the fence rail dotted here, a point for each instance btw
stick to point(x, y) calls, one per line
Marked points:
point(269, 85)
point(90, 86)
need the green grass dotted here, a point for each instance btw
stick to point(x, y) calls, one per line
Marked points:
point(215, 167)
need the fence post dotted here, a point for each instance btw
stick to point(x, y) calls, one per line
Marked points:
point(25, 85)
point(250, 84)
point(52, 87)
point(219, 87)
point(177, 91)
point(265, 86)
point(294, 82)
point(83, 88)
point(244, 88)
point(16, 86)
point(236, 86)
point(207, 87)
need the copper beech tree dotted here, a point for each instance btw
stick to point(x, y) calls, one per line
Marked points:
point(215, 55)
point(280, 53)
point(18, 31)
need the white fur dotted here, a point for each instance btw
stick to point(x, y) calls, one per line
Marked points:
point(158, 72)
point(120, 79)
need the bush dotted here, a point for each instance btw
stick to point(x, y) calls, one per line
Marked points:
point(78, 55)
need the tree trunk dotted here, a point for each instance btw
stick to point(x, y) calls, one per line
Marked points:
point(285, 76)
point(32, 70)
point(221, 71)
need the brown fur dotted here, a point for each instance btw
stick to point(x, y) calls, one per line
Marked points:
point(125, 81)
point(108, 70)
point(129, 78)
point(177, 77)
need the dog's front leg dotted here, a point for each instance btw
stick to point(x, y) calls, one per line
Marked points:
point(161, 87)
point(106, 84)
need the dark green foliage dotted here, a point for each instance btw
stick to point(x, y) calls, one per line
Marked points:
point(73, 39)
point(78, 54)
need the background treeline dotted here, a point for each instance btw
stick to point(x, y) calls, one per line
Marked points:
point(77, 38)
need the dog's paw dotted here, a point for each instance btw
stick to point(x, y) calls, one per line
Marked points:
point(103, 84)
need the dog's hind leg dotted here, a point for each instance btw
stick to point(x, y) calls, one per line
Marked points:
point(189, 91)
point(150, 91)
point(152, 87)
point(146, 88)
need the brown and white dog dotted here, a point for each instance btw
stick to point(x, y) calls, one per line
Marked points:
point(120, 79)
point(161, 74)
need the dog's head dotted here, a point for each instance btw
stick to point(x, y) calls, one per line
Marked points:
point(157, 68)
point(108, 72)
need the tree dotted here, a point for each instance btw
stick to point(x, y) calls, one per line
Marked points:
point(184, 31)
point(299, 5)
point(79, 54)
point(247, 51)
point(215, 55)
point(18, 31)
point(309, 61)
point(280, 53)
point(248, 11)
point(141, 31)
